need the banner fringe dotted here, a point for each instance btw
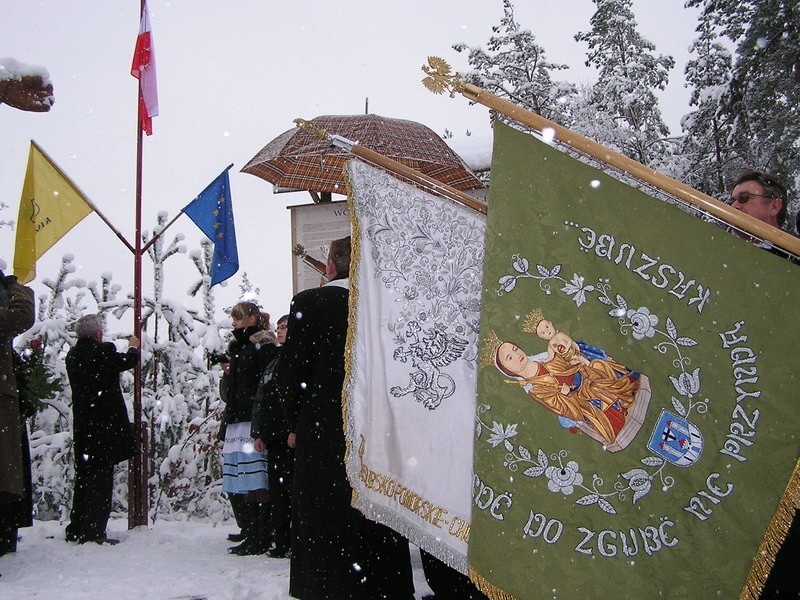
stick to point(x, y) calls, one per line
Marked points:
point(355, 260)
point(492, 592)
point(773, 538)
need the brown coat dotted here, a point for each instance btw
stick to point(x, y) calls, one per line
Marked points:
point(16, 316)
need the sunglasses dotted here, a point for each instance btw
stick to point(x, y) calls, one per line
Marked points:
point(745, 197)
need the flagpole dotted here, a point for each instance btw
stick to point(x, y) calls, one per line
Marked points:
point(440, 79)
point(137, 479)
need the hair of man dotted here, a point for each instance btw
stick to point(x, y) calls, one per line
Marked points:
point(339, 253)
point(89, 326)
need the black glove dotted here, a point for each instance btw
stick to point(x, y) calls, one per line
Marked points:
point(6, 280)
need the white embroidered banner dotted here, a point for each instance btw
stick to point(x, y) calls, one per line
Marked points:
point(411, 386)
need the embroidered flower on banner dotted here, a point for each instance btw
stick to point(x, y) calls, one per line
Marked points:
point(502, 435)
point(563, 478)
point(644, 324)
point(687, 384)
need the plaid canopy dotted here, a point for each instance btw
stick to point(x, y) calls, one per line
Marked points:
point(300, 160)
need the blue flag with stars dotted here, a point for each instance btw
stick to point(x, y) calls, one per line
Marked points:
point(212, 212)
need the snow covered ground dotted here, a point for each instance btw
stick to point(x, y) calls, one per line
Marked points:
point(169, 560)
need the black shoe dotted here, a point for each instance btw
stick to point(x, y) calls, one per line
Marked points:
point(8, 544)
point(236, 537)
point(245, 548)
point(250, 547)
point(236, 549)
point(278, 552)
point(105, 541)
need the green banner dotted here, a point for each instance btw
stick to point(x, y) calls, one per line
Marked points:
point(637, 420)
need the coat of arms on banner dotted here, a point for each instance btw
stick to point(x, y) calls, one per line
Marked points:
point(429, 351)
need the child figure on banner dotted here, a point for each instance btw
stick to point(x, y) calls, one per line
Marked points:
point(557, 342)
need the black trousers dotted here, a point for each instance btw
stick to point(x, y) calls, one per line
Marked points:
point(783, 580)
point(91, 499)
point(447, 583)
point(280, 460)
point(8, 527)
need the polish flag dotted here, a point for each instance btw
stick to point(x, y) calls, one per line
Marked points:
point(144, 69)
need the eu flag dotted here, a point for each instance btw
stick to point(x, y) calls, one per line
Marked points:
point(212, 212)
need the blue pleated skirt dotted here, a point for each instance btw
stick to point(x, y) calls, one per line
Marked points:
point(243, 469)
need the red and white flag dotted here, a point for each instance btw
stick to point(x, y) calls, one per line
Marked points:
point(144, 69)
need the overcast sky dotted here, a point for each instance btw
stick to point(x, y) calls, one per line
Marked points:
point(231, 77)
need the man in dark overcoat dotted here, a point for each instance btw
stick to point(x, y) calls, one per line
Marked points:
point(101, 431)
point(271, 436)
point(16, 316)
point(336, 553)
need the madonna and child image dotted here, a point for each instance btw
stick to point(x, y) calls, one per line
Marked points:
point(581, 384)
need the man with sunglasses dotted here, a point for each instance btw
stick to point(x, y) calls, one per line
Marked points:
point(761, 196)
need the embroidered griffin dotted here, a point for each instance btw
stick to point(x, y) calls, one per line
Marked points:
point(429, 351)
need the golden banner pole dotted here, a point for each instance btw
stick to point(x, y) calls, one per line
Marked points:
point(440, 79)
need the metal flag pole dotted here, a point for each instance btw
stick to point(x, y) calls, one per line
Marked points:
point(137, 473)
point(441, 79)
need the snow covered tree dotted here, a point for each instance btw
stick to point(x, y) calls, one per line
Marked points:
point(711, 163)
point(762, 101)
point(247, 289)
point(3, 223)
point(629, 75)
point(180, 391)
point(515, 67)
point(190, 470)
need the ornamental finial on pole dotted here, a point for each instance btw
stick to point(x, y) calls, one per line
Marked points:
point(440, 78)
point(311, 128)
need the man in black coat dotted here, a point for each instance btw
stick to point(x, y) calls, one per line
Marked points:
point(101, 432)
point(270, 434)
point(336, 553)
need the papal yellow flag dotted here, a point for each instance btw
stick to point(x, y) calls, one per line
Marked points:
point(50, 206)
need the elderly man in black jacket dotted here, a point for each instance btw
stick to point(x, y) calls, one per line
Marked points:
point(101, 432)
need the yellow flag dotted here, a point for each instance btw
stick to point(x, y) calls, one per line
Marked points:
point(50, 206)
